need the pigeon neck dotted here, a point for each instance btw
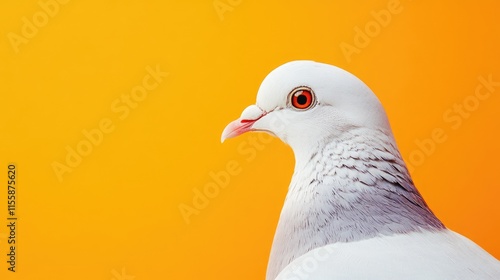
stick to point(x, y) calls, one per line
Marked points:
point(359, 169)
point(352, 187)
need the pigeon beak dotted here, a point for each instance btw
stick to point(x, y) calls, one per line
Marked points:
point(244, 124)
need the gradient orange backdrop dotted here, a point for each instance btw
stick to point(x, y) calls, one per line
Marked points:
point(117, 214)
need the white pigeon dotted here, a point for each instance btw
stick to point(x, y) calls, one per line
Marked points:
point(352, 210)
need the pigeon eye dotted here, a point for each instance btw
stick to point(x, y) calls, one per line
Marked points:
point(302, 98)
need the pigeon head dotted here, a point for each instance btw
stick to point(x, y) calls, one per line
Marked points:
point(303, 102)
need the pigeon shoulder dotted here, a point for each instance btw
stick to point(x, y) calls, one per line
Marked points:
point(427, 255)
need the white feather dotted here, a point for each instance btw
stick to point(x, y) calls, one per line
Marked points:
point(442, 255)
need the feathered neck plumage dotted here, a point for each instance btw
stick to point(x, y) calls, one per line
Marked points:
point(353, 186)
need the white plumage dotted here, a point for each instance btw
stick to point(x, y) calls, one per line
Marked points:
point(352, 210)
point(427, 256)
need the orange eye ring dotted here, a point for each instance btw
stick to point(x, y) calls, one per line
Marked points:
point(302, 98)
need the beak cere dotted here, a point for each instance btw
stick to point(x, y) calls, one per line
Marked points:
point(244, 124)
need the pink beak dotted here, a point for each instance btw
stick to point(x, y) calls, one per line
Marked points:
point(244, 124)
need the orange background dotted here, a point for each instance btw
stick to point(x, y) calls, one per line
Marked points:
point(117, 213)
